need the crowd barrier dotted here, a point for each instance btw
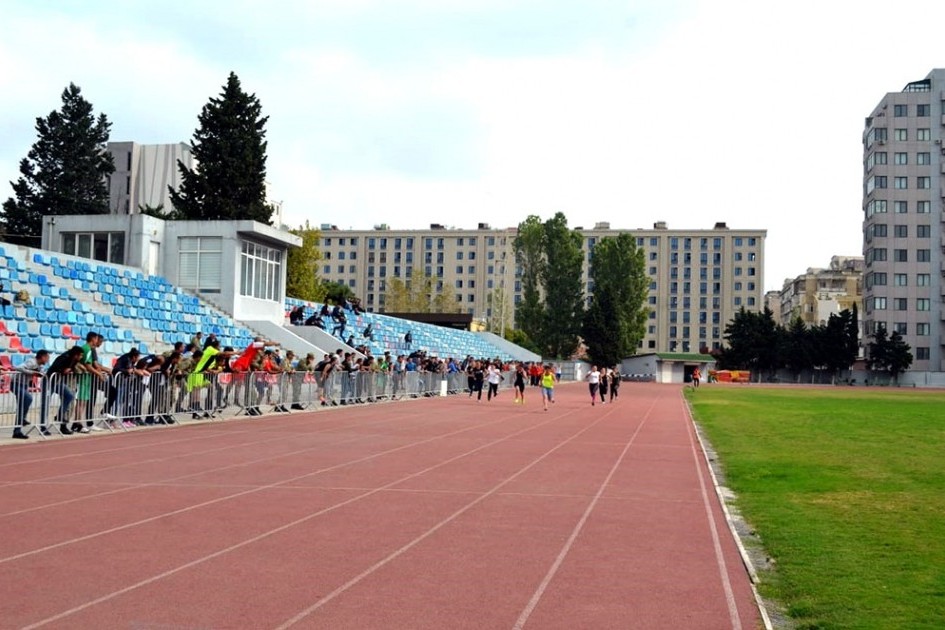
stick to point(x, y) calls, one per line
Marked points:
point(56, 404)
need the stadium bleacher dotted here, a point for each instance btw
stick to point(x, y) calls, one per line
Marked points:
point(71, 296)
point(388, 333)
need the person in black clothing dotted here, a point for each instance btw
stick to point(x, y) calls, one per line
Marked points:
point(297, 316)
point(341, 320)
point(408, 339)
point(479, 377)
point(369, 332)
point(61, 377)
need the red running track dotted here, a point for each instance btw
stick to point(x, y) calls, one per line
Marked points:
point(434, 513)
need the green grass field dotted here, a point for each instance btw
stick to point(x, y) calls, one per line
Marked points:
point(846, 487)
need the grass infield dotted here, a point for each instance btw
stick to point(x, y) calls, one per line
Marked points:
point(846, 488)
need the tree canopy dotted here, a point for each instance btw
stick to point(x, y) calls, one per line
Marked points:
point(417, 294)
point(615, 321)
point(549, 260)
point(889, 353)
point(302, 279)
point(65, 171)
point(229, 148)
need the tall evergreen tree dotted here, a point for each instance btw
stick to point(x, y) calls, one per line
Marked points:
point(65, 172)
point(889, 353)
point(563, 291)
point(753, 342)
point(615, 321)
point(229, 148)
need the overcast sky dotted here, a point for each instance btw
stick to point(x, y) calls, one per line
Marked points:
point(468, 111)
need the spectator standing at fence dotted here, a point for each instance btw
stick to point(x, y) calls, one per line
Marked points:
point(593, 383)
point(61, 377)
point(519, 384)
point(23, 379)
point(121, 387)
point(548, 381)
point(92, 374)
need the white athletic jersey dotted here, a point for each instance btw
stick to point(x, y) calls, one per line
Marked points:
point(593, 377)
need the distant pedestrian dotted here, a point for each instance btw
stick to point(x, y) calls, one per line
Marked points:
point(519, 384)
point(593, 383)
point(547, 386)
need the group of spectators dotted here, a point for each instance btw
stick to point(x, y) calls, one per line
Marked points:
point(336, 317)
point(203, 379)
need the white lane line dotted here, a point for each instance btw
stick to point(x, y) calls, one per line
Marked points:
point(716, 542)
point(304, 519)
point(449, 519)
point(236, 495)
point(542, 587)
point(135, 486)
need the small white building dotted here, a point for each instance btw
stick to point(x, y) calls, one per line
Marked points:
point(239, 266)
point(666, 367)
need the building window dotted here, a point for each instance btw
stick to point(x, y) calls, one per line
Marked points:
point(924, 182)
point(923, 134)
point(879, 279)
point(901, 207)
point(900, 304)
point(922, 110)
point(923, 279)
point(879, 229)
point(101, 246)
point(261, 271)
point(901, 327)
point(901, 279)
point(900, 183)
point(923, 159)
point(922, 330)
point(923, 207)
point(900, 110)
point(901, 135)
point(900, 255)
point(901, 159)
point(899, 231)
point(876, 206)
point(923, 255)
point(922, 354)
point(923, 304)
point(879, 304)
point(201, 263)
point(923, 231)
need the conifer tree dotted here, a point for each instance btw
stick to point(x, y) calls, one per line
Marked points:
point(229, 148)
point(65, 171)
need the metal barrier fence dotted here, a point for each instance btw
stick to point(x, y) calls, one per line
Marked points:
point(62, 404)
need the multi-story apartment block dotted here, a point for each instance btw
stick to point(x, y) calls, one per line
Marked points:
point(816, 295)
point(903, 191)
point(698, 278)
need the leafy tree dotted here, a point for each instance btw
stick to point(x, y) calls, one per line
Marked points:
point(889, 353)
point(417, 294)
point(530, 260)
point(519, 338)
point(229, 148)
point(753, 342)
point(65, 171)
point(301, 279)
point(615, 321)
point(563, 290)
point(798, 347)
point(336, 292)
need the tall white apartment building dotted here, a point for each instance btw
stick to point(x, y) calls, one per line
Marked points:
point(698, 278)
point(903, 238)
